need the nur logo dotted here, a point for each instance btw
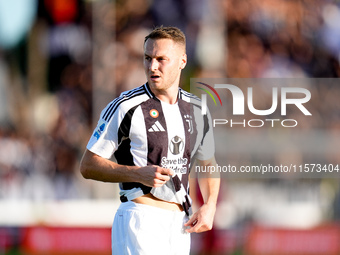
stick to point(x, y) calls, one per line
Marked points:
point(204, 96)
point(239, 99)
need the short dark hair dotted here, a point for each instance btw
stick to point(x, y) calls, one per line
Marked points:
point(170, 32)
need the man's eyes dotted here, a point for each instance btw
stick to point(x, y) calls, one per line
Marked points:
point(158, 59)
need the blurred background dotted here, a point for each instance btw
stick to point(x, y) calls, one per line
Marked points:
point(62, 61)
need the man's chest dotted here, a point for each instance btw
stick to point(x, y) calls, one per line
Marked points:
point(162, 131)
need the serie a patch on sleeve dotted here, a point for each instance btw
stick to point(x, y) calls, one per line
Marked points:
point(99, 129)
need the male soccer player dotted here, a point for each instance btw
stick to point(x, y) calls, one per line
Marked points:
point(154, 131)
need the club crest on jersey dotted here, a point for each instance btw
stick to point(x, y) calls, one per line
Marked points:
point(99, 130)
point(176, 145)
point(188, 119)
point(154, 113)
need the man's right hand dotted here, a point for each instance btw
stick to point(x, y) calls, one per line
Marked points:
point(154, 176)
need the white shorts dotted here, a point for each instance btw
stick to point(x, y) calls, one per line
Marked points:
point(143, 229)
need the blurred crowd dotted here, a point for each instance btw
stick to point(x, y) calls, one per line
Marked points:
point(283, 38)
point(75, 56)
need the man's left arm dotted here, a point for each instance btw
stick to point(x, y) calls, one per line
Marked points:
point(202, 220)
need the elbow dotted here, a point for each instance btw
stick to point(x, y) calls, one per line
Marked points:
point(84, 170)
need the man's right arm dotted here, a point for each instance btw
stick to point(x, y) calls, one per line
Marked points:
point(98, 168)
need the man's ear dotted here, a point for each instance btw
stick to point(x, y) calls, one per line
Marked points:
point(183, 61)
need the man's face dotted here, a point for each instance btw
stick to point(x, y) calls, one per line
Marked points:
point(163, 61)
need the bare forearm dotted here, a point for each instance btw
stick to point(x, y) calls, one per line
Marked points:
point(203, 219)
point(209, 186)
point(100, 169)
point(97, 168)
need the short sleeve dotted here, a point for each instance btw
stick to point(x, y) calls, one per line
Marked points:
point(206, 148)
point(104, 139)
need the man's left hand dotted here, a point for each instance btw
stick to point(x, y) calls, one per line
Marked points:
point(202, 220)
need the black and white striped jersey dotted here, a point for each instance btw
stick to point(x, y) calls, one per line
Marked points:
point(139, 129)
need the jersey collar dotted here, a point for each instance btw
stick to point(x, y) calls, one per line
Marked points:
point(152, 95)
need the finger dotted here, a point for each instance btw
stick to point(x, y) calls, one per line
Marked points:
point(194, 228)
point(162, 177)
point(192, 221)
point(166, 171)
point(158, 183)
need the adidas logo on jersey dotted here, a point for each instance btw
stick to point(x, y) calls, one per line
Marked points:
point(157, 127)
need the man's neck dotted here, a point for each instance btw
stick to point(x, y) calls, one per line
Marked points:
point(169, 96)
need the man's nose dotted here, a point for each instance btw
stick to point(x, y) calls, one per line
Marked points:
point(153, 64)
